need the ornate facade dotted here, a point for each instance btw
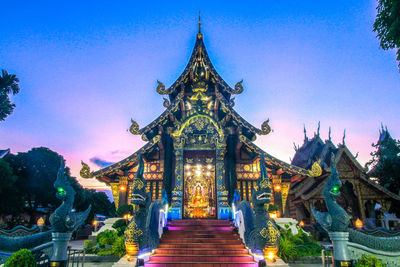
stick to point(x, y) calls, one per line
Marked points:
point(200, 150)
point(359, 194)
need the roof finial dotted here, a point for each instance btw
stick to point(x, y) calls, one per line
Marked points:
point(305, 133)
point(199, 22)
point(344, 137)
point(319, 126)
point(330, 139)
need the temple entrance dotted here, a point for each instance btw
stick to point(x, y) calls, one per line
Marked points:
point(199, 192)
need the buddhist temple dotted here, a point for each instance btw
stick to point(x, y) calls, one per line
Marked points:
point(359, 193)
point(200, 151)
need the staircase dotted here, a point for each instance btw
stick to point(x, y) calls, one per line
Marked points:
point(200, 243)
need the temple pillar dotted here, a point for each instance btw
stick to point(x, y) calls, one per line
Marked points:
point(175, 211)
point(360, 202)
point(222, 193)
point(115, 193)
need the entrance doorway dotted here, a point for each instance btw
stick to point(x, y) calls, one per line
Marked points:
point(199, 192)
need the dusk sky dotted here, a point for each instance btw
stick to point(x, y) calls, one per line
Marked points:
point(87, 68)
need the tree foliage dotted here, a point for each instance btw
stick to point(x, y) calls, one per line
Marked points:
point(21, 258)
point(387, 25)
point(385, 162)
point(8, 85)
point(33, 174)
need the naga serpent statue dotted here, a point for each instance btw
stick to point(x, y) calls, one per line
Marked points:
point(142, 233)
point(337, 219)
point(261, 233)
point(63, 220)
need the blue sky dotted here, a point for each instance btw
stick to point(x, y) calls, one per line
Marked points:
point(87, 68)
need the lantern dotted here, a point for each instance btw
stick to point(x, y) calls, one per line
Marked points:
point(122, 188)
point(301, 223)
point(358, 223)
point(277, 187)
point(270, 253)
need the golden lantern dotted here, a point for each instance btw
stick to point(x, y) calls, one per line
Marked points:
point(270, 253)
point(301, 223)
point(274, 214)
point(131, 250)
point(277, 187)
point(122, 188)
point(358, 223)
point(40, 222)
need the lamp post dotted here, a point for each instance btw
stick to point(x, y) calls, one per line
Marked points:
point(95, 223)
point(40, 223)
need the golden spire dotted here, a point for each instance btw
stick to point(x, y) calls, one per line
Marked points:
point(199, 22)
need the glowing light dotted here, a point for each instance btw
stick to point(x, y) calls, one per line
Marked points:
point(198, 173)
point(358, 223)
point(187, 167)
point(131, 250)
point(61, 190)
point(122, 188)
point(208, 173)
point(301, 223)
point(270, 256)
point(335, 189)
point(273, 215)
point(277, 187)
point(40, 222)
point(198, 166)
point(189, 173)
point(95, 223)
point(209, 167)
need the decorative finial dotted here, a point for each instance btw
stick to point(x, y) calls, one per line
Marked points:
point(305, 133)
point(330, 139)
point(319, 126)
point(344, 136)
point(199, 22)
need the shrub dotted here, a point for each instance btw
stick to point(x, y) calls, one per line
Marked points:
point(105, 252)
point(106, 238)
point(292, 246)
point(119, 223)
point(118, 247)
point(272, 208)
point(369, 261)
point(124, 209)
point(21, 258)
point(90, 247)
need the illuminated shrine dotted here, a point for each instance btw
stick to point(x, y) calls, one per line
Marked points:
point(200, 150)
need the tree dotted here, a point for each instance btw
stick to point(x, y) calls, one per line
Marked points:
point(385, 162)
point(387, 25)
point(8, 85)
point(10, 197)
point(37, 171)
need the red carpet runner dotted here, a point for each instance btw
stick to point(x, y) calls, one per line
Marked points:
point(201, 243)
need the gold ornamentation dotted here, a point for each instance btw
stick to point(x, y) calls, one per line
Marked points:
point(238, 88)
point(264, 183)
point(284, 194)
point(144, 138)
point(265, 128)
point(316, 170)
point(134, 129)
point(85, 171)
point(273, 233)
point(264, 232)
point(132, 233)
point(137, 184)
point(161, 88)
point(166, 103)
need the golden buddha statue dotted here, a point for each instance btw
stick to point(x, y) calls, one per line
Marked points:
point(199, 204)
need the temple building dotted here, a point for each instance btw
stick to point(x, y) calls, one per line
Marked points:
point(200, 150)
point(359, 194)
